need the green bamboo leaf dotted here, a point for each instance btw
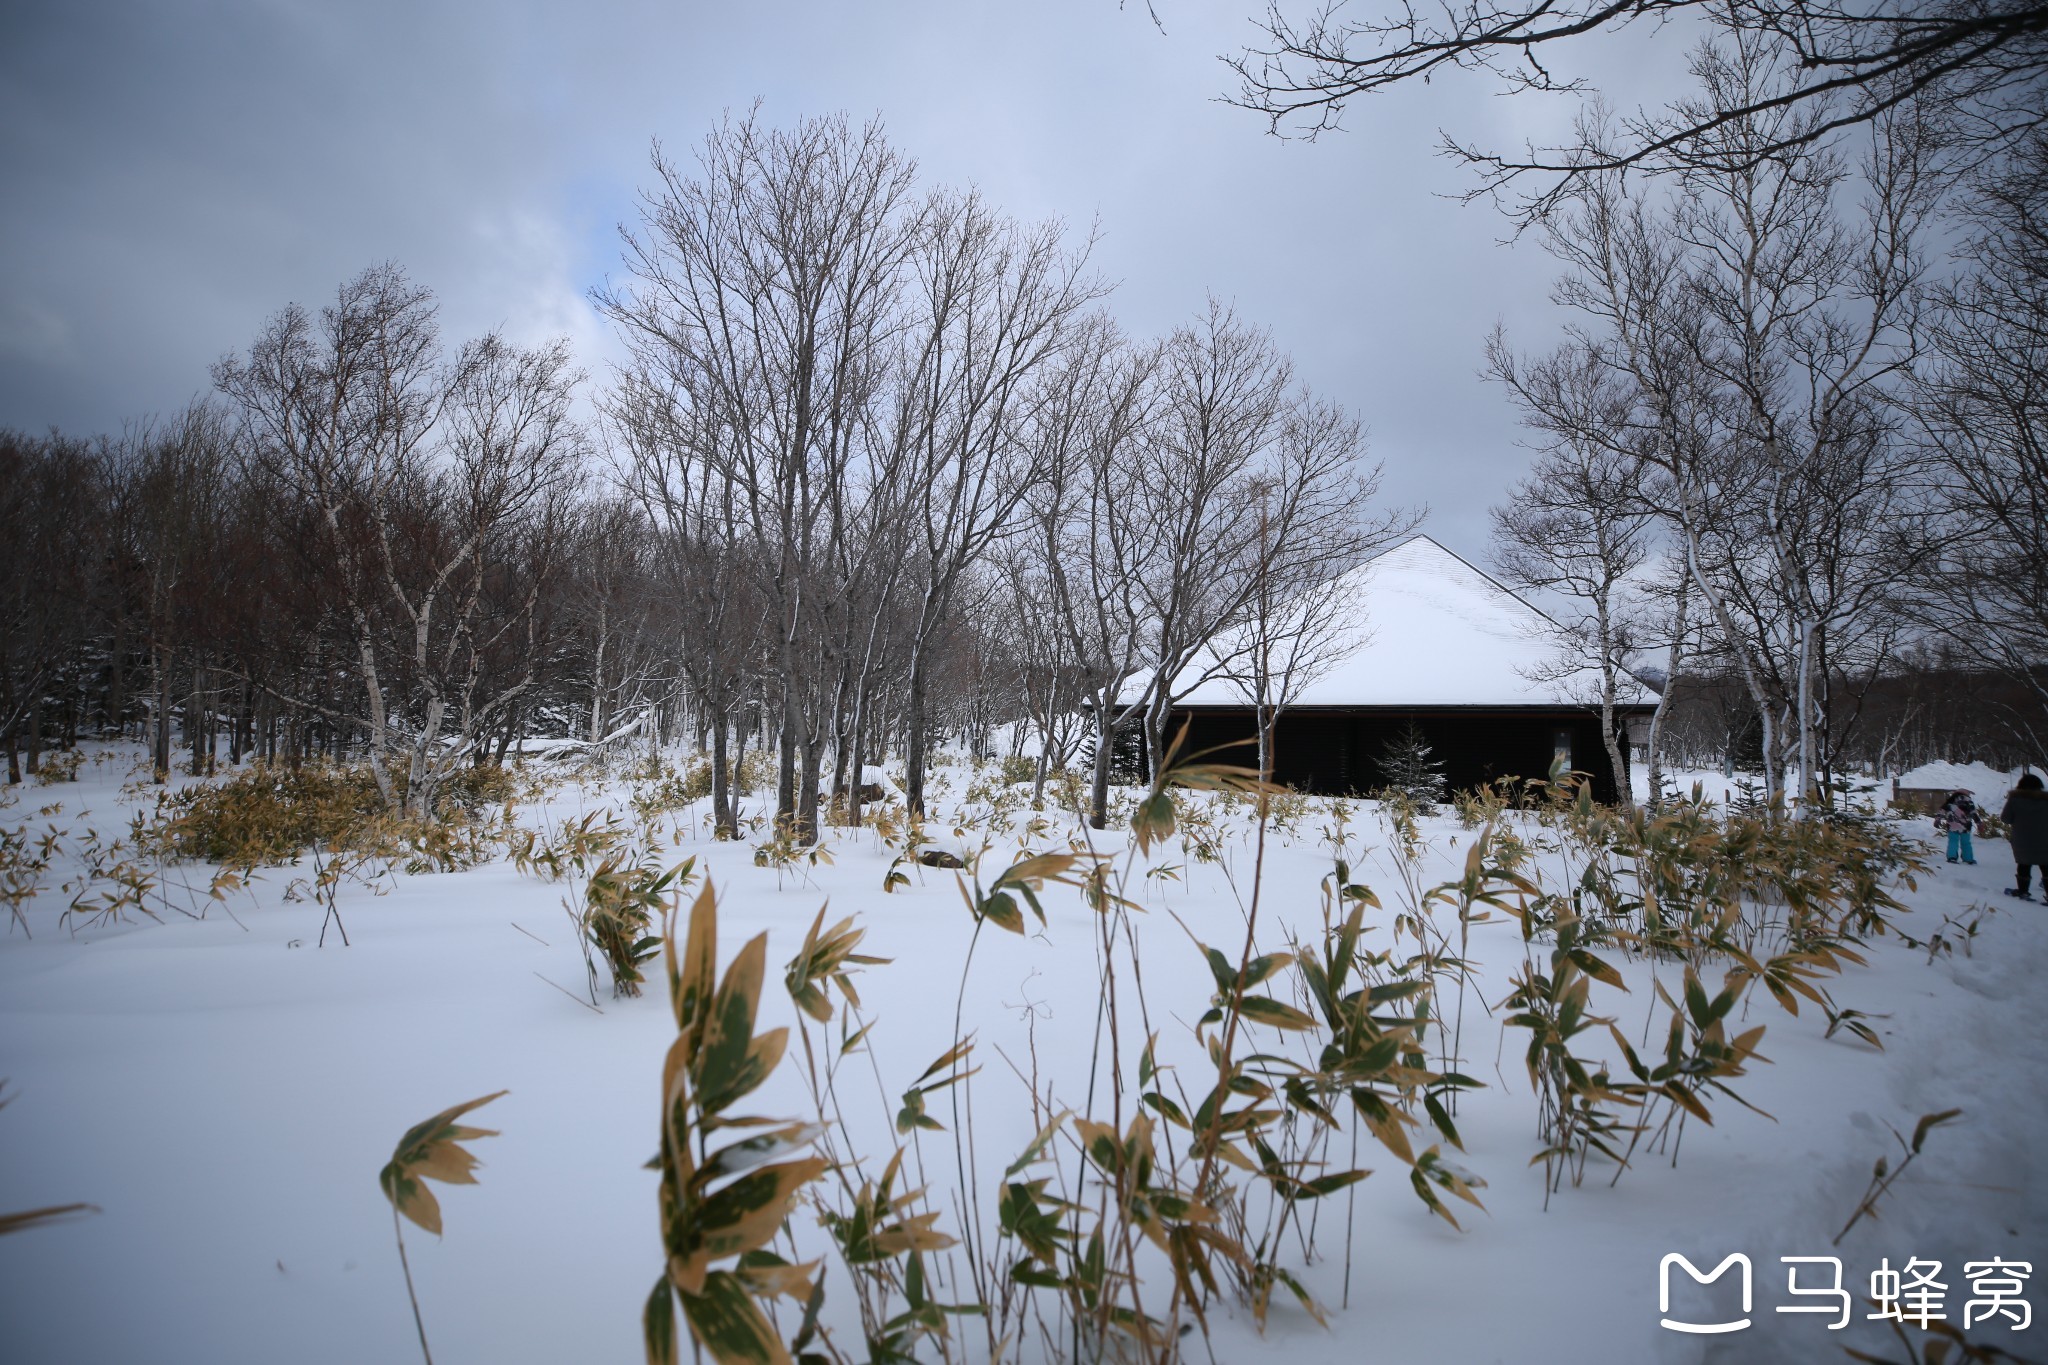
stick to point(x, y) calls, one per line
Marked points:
point(693, 974)
point(748, 1212)
point(1038, 1144)
point(1165, 1108)
point(1264, 1010)
point(1696, 1003)
point(1261, 969)
point(658, 1324)
point(1330, 1184)
point(1000, 909)
point(727, 1062)
point(1152, 821)
point(1221, 968)
point(726, 1322)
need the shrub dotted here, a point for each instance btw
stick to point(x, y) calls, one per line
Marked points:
point(665, 789)
point(621, 900)
point(473, 788)
point(267, 815)
point(59, 765)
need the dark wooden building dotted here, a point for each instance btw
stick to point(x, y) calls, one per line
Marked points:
point(1430, 642)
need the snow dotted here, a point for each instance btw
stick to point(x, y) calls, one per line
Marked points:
point(1424, 628)
point(1979, 778)
point(225, 1092)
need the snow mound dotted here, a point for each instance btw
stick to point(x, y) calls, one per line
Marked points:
point(1979, 778)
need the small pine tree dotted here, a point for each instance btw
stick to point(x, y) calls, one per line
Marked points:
point(1412, 769)
point(1126, 755)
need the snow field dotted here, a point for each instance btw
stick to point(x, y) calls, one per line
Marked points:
point(226, 1093)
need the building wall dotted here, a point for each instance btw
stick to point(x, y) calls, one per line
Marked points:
point(1337, 752)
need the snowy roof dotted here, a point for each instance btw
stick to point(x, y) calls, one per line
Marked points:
point(1422, 628)
point(1979, 778)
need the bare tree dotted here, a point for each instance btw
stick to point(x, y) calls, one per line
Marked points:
point(1049, 684)
point(994, 306)
point(1195, 483)
point(701, 571)
point(1765, 337)
point(1984, 410)
point(433, 482)
point(1302, 615)
point(1983, 64)
point(1577, 526)
point(763, 293)
point(1251, 487)
point(1675, 629)
point(1090, 539)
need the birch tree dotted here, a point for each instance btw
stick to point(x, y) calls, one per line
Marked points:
point(1765, 334)
point(1576, 528)
point(431, 479)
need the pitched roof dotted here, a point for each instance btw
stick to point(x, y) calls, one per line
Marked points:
point(1424, 628)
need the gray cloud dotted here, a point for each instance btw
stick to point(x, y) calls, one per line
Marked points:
point(176, 172)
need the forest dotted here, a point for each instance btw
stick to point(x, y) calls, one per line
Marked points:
point(884, 471)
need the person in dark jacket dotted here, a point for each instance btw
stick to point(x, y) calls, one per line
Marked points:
point(1957, 817)
point(2026, 822)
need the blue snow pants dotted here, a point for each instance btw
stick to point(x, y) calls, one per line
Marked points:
point(1959, 846)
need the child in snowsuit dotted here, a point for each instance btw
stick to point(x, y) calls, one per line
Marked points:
point(2026, 820)
point(1958, 816)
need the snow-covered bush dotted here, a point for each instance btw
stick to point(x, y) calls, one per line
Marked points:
point(1412, 770)
point(59, 765)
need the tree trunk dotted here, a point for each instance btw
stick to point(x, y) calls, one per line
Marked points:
point(35, 734)
point(1617, 761)
point(860, 756)
point(1269, 718)
point(842, 732)
point(1673, 659)
point(160, 748)
point(807, 787)
point(785, 758)
point(914, 745)
point(1098, 798)
point(117, 679)
point(597, 677)
point(723, 821)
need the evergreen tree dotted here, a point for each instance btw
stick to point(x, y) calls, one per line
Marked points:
point(1412, 769)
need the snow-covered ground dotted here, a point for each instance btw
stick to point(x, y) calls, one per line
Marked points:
point(225, 1091)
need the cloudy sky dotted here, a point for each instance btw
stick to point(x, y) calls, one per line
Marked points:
point(174, 172)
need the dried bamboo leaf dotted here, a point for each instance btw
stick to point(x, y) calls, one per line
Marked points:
point(429, 1150)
